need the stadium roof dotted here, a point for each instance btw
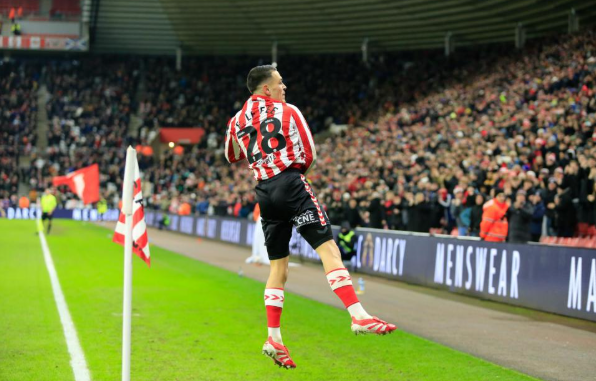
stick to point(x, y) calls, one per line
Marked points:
point(316, 26)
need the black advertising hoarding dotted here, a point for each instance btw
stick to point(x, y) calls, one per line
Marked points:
point(554, 279)
point(548, 278)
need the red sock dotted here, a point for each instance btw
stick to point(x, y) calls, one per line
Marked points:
point(341, 283)
point(274, 303)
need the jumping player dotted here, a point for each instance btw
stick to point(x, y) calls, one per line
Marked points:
point(274, 138)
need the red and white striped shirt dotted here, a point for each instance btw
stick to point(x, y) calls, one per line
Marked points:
point(272, 136)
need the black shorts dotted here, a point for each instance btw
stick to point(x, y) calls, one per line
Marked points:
point(46, 216)
point(287, 200)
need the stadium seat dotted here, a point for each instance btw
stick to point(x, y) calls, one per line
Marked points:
point(582, 229)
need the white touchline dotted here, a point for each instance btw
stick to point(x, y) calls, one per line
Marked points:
point(77, 358)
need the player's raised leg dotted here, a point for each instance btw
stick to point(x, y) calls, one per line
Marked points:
point(341, 283)
point(274, 302)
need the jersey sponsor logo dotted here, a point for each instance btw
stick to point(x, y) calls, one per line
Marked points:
point(305, 218)
point(269, 159)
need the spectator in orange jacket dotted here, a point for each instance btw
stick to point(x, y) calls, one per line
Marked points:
point(184, 209)
point(494, 225)
point(23, 202)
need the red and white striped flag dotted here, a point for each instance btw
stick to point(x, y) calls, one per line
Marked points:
point(140, 242)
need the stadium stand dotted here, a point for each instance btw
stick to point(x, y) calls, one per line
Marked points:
point(425, 135)
point(88, 111)
point(18, 108)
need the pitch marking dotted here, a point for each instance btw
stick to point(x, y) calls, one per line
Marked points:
point(77, 358)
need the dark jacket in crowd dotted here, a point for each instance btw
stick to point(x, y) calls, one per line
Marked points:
point(336, 212)
point(418, 220)
point(353, 216)
point(566, 215)
point(377, 213)
point(394, 216)
point(520, 220)
point(537, 218)
point(475, 219)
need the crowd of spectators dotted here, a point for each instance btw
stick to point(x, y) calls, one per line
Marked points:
point(430, 140)
point(339, 89)
point(89, 109)
point(18, 115)
point(520, 123)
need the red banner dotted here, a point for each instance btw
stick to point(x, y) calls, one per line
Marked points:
point(84, 182)
point(181, 135)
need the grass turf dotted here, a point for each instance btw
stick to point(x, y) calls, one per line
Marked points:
point(191, 321)
point(32, 344)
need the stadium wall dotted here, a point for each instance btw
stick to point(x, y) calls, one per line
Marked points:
point(554, 279)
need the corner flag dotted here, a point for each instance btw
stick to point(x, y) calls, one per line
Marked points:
point(131, 231)
point(140, 243)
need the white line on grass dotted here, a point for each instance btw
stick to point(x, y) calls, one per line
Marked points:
point(77, 358)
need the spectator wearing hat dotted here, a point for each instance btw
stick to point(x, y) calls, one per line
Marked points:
point(520, 218)
point(494, 225)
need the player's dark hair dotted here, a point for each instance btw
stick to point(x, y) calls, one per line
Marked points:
point(258, 75)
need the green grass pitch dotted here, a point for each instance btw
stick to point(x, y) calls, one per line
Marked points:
point(191, 321)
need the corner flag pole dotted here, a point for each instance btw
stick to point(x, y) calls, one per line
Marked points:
point(127, 194)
